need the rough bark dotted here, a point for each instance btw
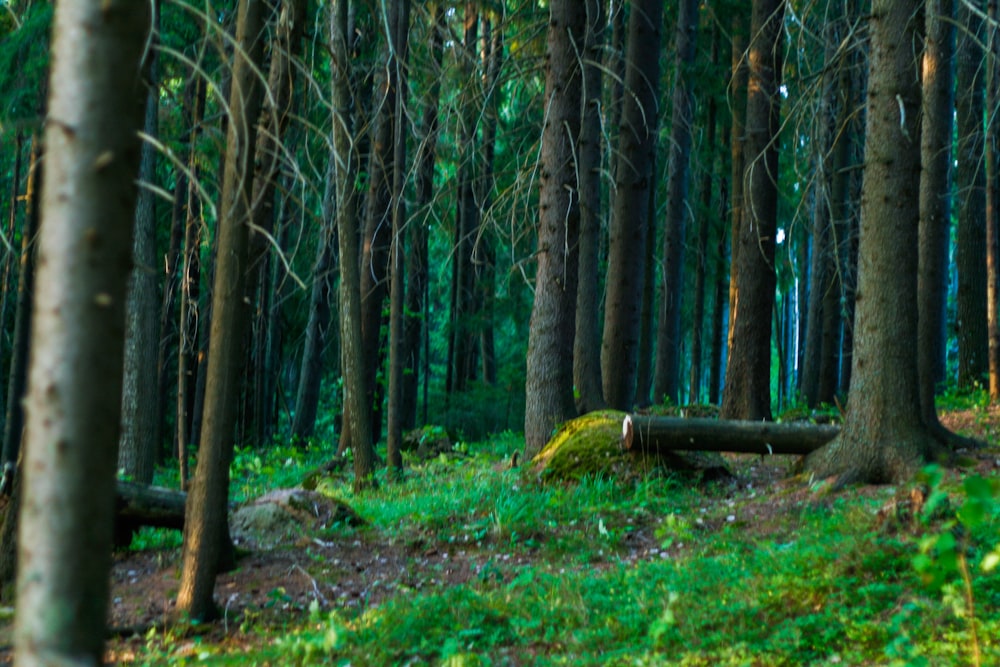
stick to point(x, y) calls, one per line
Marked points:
point(747, 393)
point(737, 99)
point(206, 534)
point(73, 405)
point(884, 437)
point(357, 407)
point(549, 382)
point(656, 434)
point(586, 342)
point(668, 333)
point(140, 434)
point(630, 214)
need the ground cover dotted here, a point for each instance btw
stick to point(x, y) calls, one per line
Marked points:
point(469, 562)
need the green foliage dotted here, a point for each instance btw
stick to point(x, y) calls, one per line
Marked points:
point(24, 62)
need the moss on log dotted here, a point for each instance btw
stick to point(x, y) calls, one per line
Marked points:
point(591, 445)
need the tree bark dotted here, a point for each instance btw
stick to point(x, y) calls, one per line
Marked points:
point(884, 437)
point(73, 405)
point(630, 214)
point(206, 534)
point(715, 435)
point(747, 393)
point(587, 339)
point(549, 383)
point(993, 200)
point(668, 334)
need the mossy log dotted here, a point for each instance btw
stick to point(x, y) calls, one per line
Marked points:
point(138, 505)
point(668, 434)
point(591, 445)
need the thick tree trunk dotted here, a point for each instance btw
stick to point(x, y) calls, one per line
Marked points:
point(549, 383)
point(747, 393)
point(630, 214)
point(714, 435)
point(206, 534)
point(884, 437)
point(73, 405)
point(668, 333)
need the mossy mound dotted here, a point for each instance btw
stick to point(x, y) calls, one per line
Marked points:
point(591, 445)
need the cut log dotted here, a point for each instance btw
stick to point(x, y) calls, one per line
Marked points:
point(138, 505)
point(655, 434)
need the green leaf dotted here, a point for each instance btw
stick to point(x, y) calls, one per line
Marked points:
point(979, 488)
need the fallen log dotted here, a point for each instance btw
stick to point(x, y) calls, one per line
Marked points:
point(138, 505)
point(656, 434)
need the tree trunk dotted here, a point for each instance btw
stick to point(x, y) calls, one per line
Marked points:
point(630, 214)
point(747, 393)
point(73, 405)
point(737, 93)
point(970, 183)
point(586, 341)
point(357, 407)
point(668, 334)
point(658, 434)
point(884, 437)
point(140, 435)
point(399, 25)
point(417, 277)
point(206, 534)
point(549, 383)
point(993, 201)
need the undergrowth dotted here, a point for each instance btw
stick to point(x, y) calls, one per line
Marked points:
point(815, 580)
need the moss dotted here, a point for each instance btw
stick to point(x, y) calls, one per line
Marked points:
point(590, 445)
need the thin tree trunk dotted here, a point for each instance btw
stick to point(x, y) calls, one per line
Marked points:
point(737, 93)
point(993, 199)
point(140, 428)
point(206, 518)
point(668, 334)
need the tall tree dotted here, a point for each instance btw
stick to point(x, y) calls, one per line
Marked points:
point(206, 513)
point(357, 407)
point(586, 343)
point(993, 198)
point(549, 384)
point(884, 435)
point(970, 183)
point(668, 344)
point(630, 214)
point(73, 403)
point(140, 435)
point(747, 393)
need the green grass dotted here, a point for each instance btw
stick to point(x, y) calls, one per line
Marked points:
point(820, 582)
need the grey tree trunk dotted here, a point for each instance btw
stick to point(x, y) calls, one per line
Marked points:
point(206, 516)
point(549, 383)
point(73, 405)
point(140, 436)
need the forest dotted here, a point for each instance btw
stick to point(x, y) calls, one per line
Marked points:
point(475, 332)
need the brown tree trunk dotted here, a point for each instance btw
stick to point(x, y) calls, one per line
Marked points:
point(357, 407)
point(668, 334)
point(206, 532)
point(884, 436)
point(630, 214)
point(993, 200)
point(549, 383)
point(970, 183)
point(73, 405)
point(747, 393)
point(737, 94)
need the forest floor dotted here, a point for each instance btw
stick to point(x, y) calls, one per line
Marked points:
point(350, 570)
